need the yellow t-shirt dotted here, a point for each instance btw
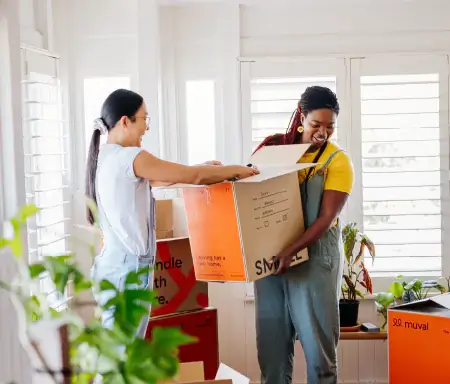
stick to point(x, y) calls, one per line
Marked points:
point(339, 174)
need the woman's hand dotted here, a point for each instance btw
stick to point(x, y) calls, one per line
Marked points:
point(241, 172)
point(332, 204)
point(212, 162)
point(282, 261)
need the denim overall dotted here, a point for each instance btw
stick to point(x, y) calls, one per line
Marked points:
point(114, 261)
point(303, 303)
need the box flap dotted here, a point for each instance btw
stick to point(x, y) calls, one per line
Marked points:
point(272, 161)
point(443, 300)
point(191, 372)
point(172, 239)
point(269, 172)
point(225, 372)
point(438, 305)
point(266, 172)
point(279, 154)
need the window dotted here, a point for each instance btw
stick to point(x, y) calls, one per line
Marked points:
point(270, 91)
point(394, 123)
point(401, 172)
point(46, 163)
point(273, 101)
point(96, 90)
point(200, 121)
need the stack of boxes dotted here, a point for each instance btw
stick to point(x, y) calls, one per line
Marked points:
point(182, 300)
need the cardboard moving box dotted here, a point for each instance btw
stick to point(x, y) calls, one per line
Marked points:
point(201, 324)
point(419, 339)
point(193, 373)
point(174, 280)
point(236, 228)
point(164, 219)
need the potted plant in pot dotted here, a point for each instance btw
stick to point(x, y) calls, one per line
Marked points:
point(355, 273)
point(86, 349)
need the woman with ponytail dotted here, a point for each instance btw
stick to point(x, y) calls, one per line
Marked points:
point(303, 301)
point(119, 176)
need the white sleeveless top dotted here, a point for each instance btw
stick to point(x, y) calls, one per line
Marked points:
point(125, 202)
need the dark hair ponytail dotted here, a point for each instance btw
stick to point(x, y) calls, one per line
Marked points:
point(91, 170)
point(121, 102)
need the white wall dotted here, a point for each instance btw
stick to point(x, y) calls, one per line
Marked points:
point(347, 27)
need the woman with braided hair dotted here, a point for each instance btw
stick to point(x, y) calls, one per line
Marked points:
point(303, 301)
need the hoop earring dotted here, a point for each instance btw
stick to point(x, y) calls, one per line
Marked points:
point(300, 129)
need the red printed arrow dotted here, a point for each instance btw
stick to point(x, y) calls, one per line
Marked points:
point(185, 283)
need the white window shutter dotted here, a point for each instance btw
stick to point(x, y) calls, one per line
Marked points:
point(403, 129)
point(273, 101)
point(47, 176)
point(271, 89)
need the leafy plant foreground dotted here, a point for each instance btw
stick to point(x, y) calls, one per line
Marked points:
point(114, 353)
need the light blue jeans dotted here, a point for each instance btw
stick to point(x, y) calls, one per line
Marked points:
point(113, 265)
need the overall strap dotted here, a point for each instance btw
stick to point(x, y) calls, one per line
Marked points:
point(330, 158)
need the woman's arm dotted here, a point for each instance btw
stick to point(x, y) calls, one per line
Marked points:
point(331, 207)
point(165, 184)
point(163, 172)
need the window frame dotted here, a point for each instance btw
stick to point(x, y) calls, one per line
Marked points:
point(393, 64)
point(348, 91)
point(13, 196)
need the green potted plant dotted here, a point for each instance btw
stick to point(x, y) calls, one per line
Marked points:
point(418, 289)
point(91, 349)
point(385, 300)
point(401, 291)
point(355, 273)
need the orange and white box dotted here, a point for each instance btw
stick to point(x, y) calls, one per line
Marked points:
point(235, 228)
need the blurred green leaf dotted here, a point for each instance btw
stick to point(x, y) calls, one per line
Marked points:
point(106, 285)
point(385, 299)
point(36, 270)
point(359, 293)
point(16, 246)
point(25, 212)
point(396, 289)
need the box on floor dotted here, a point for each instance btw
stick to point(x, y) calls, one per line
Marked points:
point(164, 219)
point(201, 324)
point(419, 340)
point(236, 228)
point(193, 373)
point(174, 279)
